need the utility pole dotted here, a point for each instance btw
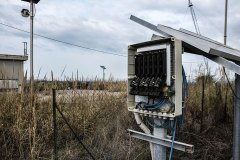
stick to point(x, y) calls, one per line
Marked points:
point(25, 48)
point(225, 32)
point(31, 46)
point(225, 23)
point(103, 67)
point(26, 13)
point(223, 68)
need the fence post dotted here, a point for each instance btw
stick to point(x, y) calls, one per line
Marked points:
point(236, 128)
point(54, 103)
point(202, 101)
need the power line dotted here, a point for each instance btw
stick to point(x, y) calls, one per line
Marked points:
point(88, 48)
point(194, 18)
point(206, 17)
point(60, 41)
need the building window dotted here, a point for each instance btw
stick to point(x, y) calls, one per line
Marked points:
point(9, 84)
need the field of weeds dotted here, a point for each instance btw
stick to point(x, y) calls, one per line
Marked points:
point(97, 112)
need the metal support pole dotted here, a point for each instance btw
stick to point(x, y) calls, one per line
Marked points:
point(159, 151)
point(54, 125)
point(225, 23)
point(31, 47)
point(25, 48)
point(103, 74)
point(225, 28)
point(103, 67)
point(236, 128)
point(33, 154)
point(224, 69)
point(202, 103)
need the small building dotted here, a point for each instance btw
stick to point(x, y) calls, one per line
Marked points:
point(11, 71)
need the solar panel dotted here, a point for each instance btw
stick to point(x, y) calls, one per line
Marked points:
point(34, 1)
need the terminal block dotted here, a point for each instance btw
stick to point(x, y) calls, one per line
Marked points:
point(150, 72)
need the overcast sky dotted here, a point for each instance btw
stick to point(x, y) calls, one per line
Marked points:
point(105, 25)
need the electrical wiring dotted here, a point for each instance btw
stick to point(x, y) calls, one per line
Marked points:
point(149, 106)
point(152, 107)
point(180, 119)
point(185, 84)
point(173, 138)
point(235, 95)
point(67, 43)
point(156, 106)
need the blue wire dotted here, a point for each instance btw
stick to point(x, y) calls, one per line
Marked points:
point(185, 95)
point(173, 137)
point(153, 107)
point(185, 84)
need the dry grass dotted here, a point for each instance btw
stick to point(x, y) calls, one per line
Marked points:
point(101, 117)
point(214, 140)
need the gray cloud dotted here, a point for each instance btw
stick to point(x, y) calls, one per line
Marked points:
point(106, 26)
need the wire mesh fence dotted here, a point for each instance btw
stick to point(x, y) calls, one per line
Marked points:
point(79, 138)
point(97, 113)
point(75, 108)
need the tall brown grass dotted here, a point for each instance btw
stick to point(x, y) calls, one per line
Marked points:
point(98, 113)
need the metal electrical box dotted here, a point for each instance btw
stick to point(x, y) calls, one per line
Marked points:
point(155, 78)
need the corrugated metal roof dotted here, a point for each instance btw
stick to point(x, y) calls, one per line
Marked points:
point(13, 57)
